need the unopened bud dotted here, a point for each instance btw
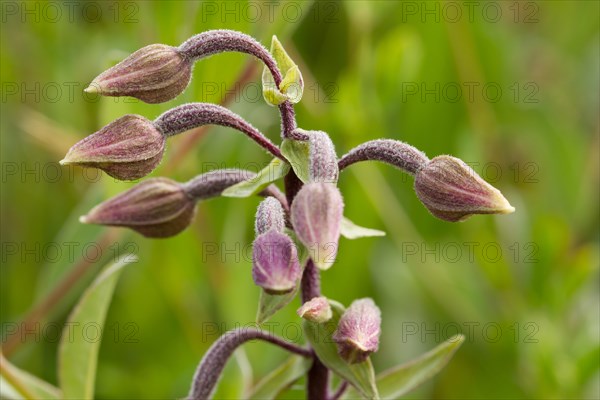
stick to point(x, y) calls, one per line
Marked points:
point(127, 149)
point(323, 164)
point(275, 265)
point(316, 214)
point(269, 216)
point(157, 208)
point(452, 191)
point(153, 74)
point(357, 334)
point(316, 310)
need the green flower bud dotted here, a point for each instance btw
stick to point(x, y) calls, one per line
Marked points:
point(153, 74)
point(127, 149)
point(452, 191)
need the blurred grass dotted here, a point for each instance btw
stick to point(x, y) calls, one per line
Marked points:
point(359, 60)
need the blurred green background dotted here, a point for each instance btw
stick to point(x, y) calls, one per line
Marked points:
point(510, 87)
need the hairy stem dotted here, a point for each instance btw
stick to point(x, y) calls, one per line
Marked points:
point(394, 152)
point(217, 41)
point(192, 115)
point(318, 375)
point(213, 362)
point(288, 120)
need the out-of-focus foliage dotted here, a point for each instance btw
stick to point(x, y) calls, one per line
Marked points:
point(511, 88)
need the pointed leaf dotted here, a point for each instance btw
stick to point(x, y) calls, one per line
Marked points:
point(352, 231)
point(297, 153)
point(400, 380)
point(292, 85)
point(269, 304)
point(79, 346)
point(275, 170)
point(284, 62)
point(16, 384)
point(281, 378)
point(360, 375)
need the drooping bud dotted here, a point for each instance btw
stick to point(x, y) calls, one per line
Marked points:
point(323, 166)
point(156, 208)
point(275, 265)
point(316, 310)
point(357, 334)
point(393, 152)
point(269, 216)
point(452, 191)
point(127, 149)
point(316, 214)
point(153, 74)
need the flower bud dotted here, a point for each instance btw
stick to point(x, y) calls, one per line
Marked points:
point(357, 334)
point(156, 208)
point(323, 165)
point(269, 216)
point(127, 149)
point(275, 265)
point(316, 214)
point(153, 74)
point(316, 310)
point(452, 191)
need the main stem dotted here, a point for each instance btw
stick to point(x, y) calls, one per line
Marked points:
point(318, 375)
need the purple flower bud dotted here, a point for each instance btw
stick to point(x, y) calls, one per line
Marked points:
point(316, 310)
point(452, 191)
point(393, 152)
point(153, 74)
point(275, 265)
point(157, 208)
point(127, 149)
point(269, 216)
point(323, 166)
point(357, 334)
point(316, 214)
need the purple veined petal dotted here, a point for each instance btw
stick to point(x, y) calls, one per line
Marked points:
point(275, 265)
point(358, 331)
point(316, 215)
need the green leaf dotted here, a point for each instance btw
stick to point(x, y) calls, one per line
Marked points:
point(80, 340)
point(281, 378)
point(275, 170)
point(297, 153)
point(360, 375)
point(352, 231)
point(269, 304)
point(400, 380)
point(16, 384)
point(283, 60)
point(292, 84)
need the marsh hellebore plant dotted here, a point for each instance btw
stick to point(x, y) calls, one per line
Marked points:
point(297, 231)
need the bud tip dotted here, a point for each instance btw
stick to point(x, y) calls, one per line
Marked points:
point(92, 88)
